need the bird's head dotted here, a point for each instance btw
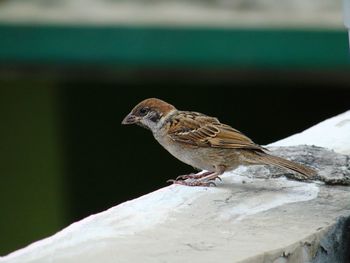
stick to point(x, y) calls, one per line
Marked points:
point(149, 113)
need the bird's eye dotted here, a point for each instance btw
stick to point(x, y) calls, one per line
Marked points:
point(143, 111)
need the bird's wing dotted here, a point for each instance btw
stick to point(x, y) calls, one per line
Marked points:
point(203, 131)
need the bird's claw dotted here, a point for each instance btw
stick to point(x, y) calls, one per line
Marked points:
point(182, 177)
point(192, 183)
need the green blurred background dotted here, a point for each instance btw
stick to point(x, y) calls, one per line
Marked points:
point(65, 87)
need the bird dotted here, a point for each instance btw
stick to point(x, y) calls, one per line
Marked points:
point(203, 142)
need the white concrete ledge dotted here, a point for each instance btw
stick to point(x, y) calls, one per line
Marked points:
point(244, 219)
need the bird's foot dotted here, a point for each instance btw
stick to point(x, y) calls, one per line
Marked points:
point(193, 176)
point(213, 178)
point(204, 179)
point(193, 182)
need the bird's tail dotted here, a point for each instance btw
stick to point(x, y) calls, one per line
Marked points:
point(283, 163)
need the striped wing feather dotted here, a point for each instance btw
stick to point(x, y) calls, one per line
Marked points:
point(203, 131)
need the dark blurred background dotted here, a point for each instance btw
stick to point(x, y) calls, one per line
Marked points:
point(66, 86)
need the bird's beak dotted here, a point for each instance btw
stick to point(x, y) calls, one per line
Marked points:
point(130, 119)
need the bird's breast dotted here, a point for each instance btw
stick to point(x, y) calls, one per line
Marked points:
point(204, 158)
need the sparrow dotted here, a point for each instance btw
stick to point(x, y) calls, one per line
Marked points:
point(203, 142)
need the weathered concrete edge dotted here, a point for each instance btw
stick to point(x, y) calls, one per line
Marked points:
point(335, 244)
point(294, 252)
point(330, 244)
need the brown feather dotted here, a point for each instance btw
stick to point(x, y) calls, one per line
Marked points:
point(204, 131)
point(264, 158)
point(153, 104)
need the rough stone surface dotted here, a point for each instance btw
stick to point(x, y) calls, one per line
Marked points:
point(335, 245)
point(332, 168)
point(250, 217)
